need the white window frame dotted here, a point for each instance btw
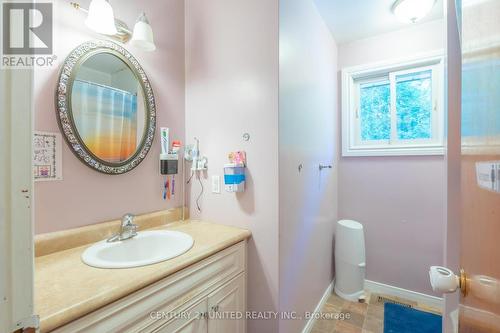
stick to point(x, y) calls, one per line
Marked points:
point(352, 77)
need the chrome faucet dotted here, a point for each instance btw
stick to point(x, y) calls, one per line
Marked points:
point(127, 229)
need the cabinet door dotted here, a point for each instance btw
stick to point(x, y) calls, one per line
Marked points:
point(225, 305)
point(192, 320)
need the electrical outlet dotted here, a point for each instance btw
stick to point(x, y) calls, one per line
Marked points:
point(216, 184)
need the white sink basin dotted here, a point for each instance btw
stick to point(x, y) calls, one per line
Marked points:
point(148, 247)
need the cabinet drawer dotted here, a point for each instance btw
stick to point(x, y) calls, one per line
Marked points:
point(133, 312)
point(192, 320)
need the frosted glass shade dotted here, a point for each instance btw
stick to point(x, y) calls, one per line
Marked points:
point(142, 36)
point(101, 18)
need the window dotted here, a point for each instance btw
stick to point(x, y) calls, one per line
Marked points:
point(393, 109)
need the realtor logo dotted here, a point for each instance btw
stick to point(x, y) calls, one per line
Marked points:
point(27, 34)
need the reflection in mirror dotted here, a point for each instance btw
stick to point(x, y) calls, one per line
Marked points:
point(105, 107)
point(108, 108)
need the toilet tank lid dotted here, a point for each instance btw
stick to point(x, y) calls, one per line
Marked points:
point(350, 224)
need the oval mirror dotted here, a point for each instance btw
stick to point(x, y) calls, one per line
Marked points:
point(106, 107)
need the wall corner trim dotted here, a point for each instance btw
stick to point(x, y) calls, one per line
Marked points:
point(324, 298)
point(428, 300)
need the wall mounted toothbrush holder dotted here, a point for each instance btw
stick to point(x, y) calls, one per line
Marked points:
point(169, 164)
point(234, 177)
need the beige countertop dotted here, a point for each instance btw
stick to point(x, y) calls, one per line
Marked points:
point(67, 289)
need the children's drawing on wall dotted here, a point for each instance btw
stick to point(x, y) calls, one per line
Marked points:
point(47, 156)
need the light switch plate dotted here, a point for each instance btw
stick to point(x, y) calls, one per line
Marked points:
point(216, 184)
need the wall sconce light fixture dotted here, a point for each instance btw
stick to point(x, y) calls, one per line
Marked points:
point(101, 19)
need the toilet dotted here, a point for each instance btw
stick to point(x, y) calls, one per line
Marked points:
point(350, 260)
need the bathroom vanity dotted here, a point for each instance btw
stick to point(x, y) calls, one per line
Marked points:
point(202, 290)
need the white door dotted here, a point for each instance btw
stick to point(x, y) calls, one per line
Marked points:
point(480, 194)
point(16, 227)
point(224, 304)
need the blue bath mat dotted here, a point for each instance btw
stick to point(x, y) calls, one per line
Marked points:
point(402, 319)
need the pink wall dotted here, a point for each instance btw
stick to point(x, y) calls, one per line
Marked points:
point(307, 136)
point(232, 89)
point(399, 200)
point(86, 196)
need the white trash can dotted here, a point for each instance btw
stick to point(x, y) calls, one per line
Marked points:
point(350, 262)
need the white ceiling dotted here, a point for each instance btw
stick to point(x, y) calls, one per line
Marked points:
point(350, 20)
point(106, 63)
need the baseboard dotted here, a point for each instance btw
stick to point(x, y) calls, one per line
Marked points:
point(324, 298)
point(428, 300)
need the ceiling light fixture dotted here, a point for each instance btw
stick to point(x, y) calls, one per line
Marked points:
point(412, 11)
point(101, 19)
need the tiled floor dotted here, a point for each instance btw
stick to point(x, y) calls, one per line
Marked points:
point(340, 316)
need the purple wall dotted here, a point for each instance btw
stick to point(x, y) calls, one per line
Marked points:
point(400, 202)
point(86, 196)
point(232, 89)
point(307, 136)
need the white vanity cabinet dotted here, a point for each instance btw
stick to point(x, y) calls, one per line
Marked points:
point(207, 297)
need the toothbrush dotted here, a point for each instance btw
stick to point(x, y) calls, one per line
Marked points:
point(165, 190)
point(173, 185)
point(168, 187)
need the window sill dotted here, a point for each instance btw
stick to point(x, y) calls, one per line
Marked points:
point(395, 151)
